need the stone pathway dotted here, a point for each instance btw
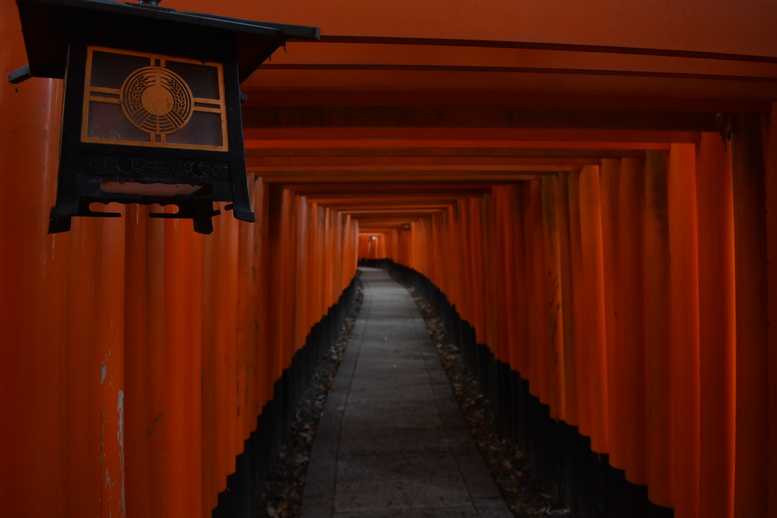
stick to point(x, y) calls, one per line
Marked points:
point(392, 441)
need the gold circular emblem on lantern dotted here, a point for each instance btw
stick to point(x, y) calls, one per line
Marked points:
point(156, 100)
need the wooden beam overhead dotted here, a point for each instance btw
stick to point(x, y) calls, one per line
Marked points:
point(470, 133)
point(509, 55)
point(691, 28)
point(467, 116)
point(293, 147)
point(367, 163)
point(453, 152)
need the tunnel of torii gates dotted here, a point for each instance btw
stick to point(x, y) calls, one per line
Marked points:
point(588, 184)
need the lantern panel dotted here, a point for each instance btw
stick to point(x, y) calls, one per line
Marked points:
point(109, 68)
point(205, 81)
point(140, 99)
point(106, 121)
point(204, 130)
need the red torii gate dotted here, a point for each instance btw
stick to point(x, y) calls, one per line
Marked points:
point(582, 141)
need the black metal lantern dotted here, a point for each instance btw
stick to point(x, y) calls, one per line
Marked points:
point(152, 103)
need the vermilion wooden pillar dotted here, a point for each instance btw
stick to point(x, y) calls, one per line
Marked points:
point(717, 327)
point(752, 324)
point(657, 308)
point(214, 428)
point(571, 398)
point(582, 373)
point(514, 314)
point(249, 310)
point(476, 252)
point(594, 333)
point(497, 255)
point(274, 330)
point(225, 306)
point(80, 482)
point(183, 367)
point(554, 319)
point(609, 178)
point(145, 363)
point(461, 237)
point(302, 231)
point(261, 201)
point(771, 221)
point(333, 227)
point(631, 318)
point(684, 327)
point(93, 372)
point(535, 260)
point(520, 343)
point(80, 358)
point(110, 347)
point(287, 290)
point(452, 241)
point(316, 247)
point(34, 360)
point(530, 288)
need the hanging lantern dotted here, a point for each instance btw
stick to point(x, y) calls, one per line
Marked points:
point(151, 112)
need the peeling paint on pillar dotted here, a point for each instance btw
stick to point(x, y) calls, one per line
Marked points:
point(120, 439)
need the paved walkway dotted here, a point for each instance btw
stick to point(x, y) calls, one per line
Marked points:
point(392, 441)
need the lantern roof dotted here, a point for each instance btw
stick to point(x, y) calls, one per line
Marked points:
point(48, 24)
